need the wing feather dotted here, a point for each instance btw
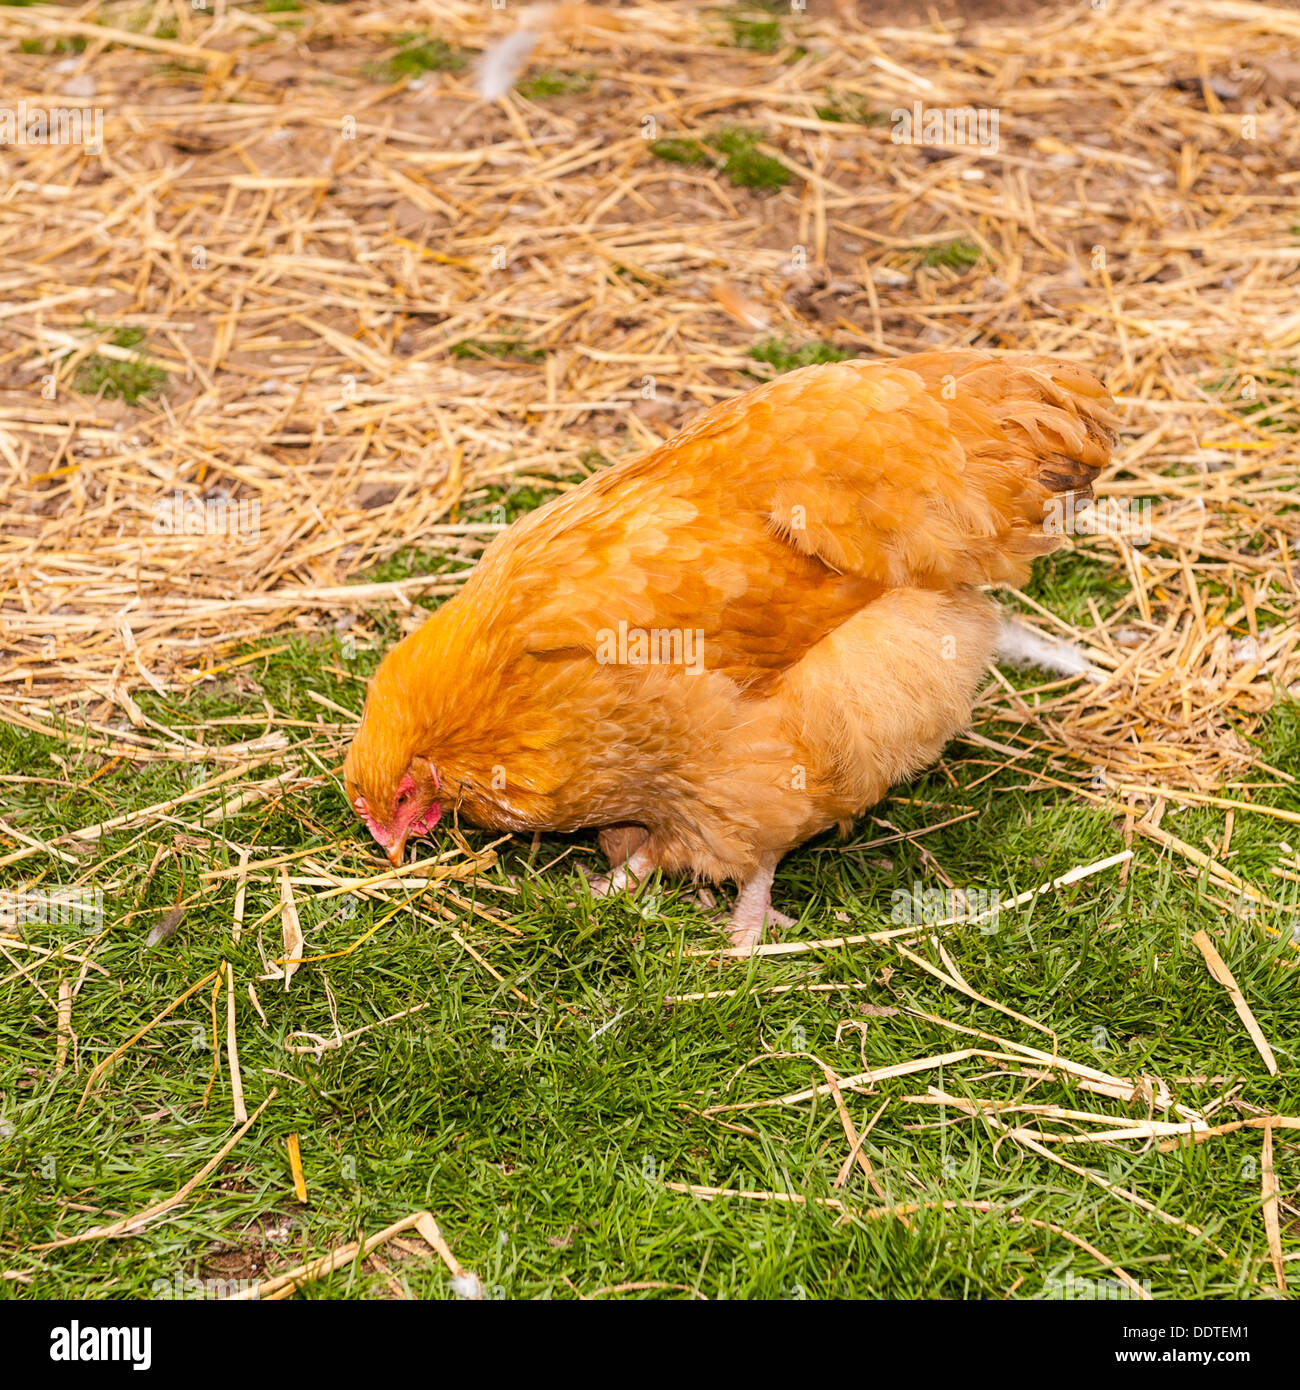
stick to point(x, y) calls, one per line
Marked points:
point(778, 513)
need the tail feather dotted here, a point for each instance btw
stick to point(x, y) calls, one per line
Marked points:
point(1055, 416)
point(932, 470)
point(1035, 428)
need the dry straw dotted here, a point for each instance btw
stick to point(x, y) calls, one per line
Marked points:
point(303, 290)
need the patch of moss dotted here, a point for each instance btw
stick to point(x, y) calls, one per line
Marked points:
point(116, 380)
point(754, 33)
point(737, 155)
point(507, 503)
point(681, 151)
point(419, 55)
point(550, 83)
point(515, 349)
point(744, 165)
point(782, 355)
point(849, 108)
point(74, 43)
point(958, 254)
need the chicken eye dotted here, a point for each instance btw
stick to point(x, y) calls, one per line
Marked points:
point(401, 798)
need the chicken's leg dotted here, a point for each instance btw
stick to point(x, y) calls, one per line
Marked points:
point(629, 859)
point(753, 910)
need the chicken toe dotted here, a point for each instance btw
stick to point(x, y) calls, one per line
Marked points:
point(626, 875)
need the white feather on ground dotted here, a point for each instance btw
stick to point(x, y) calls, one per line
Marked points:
point(503, 62)
point(507, 58)
point(1021, 645)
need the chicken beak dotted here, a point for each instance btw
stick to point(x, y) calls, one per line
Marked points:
point(396, 850)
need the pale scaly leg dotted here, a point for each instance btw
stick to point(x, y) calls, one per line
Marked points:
point(754, 911)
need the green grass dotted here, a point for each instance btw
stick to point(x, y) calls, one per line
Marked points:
point(74, 43)
point(850, 108)
point(417, 54)
point(958, 254)
point(507, 504)
point(732, 149)
point(515, 349)
point(542, 1133)
point(744, 165)
point(128, 381)
point(778, 353)
point(677, 151)
point(754, 32)
point(1270, 401)
point(548, 83)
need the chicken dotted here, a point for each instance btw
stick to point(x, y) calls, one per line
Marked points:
point(717, 650)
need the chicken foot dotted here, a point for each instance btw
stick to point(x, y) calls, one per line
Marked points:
point(753, 910)
point(630, 861)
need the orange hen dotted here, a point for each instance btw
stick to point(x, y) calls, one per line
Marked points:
point(745, 637)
